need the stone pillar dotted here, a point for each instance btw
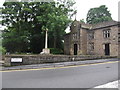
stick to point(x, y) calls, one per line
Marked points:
point(46, 38)
point(46, 50)
point(7, 61)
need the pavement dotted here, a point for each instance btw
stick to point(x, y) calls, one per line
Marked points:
point(61, 64)
point(114, 84)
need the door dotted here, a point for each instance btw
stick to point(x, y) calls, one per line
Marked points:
point(75, 49)
point(107, 49)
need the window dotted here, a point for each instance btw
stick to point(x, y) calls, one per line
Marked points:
point(106, 33)
point(91, 46)
point(91, 35)
point(75, 36)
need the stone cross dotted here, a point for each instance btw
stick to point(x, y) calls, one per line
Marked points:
point(46, 38)
point(46, 50)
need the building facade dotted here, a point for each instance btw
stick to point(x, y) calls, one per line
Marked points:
point(98, 39)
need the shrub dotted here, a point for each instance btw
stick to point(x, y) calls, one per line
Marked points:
point(56, 51)
point(2, 50)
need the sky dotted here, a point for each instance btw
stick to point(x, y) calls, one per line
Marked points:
point(83, 6)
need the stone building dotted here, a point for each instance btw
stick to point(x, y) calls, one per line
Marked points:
point(98, 39)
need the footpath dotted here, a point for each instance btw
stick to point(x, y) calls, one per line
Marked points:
point(61, 64)
point(114, 84)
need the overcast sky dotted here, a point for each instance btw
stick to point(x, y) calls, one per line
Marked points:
point(83, 6)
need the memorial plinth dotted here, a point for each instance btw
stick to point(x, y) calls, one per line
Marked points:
point(46, 51)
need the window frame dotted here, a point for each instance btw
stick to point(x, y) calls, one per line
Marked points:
point(106, 33)
point(91, 46)
point(91, 35)
point(74, 36)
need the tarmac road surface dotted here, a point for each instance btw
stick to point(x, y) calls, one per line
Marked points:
point(81, 76)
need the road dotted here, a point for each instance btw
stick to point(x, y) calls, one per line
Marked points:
point(81, 76)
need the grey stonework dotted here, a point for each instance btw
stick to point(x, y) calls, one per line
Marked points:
point(97, 39)
point(40, 59)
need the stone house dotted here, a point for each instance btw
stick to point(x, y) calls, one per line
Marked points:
point(98, 39)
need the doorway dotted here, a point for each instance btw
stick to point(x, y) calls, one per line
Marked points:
point(107, 49)
point(75, 49)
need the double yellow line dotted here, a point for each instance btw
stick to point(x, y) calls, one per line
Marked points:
point(60, 67)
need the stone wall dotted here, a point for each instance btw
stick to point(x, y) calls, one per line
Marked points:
point(39, 59)
point(100, 41)
point(84, 41)
point(67, 44)
point(119, 41)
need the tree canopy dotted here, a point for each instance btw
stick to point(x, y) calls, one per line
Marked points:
point(100, 14)
point(82, 20)
point(26, 22)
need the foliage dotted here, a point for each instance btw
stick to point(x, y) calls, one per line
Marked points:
point(2, 50)
point(82, 21)
point(26, 22)
point(56, 51)
point(100, 14)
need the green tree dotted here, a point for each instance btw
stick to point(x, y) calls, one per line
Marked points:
point(2, 49)
point(15, 18)
point(26, 21)
point(82, 21)
point(100, 14)
point(56, 21)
